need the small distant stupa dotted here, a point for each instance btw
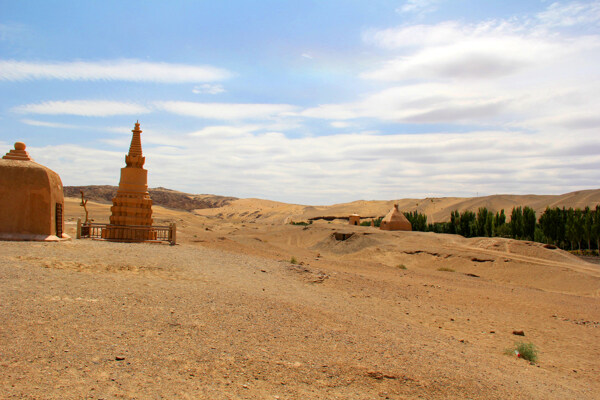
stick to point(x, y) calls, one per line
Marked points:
point(395, 221)
point(31, 199)
point(131, 217)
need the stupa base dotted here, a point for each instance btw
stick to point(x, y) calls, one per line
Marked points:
point(128, 233)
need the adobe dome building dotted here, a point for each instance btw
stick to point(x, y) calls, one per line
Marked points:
point(31, 199)
point(395, 221)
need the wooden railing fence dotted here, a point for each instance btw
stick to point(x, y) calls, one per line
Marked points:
point(92, 230)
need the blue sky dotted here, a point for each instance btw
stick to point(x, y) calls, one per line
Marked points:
point(313, 102)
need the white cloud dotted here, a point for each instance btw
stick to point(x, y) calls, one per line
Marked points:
point(474, 51)
point(341, 124)
point(226, 111)
point(420, 103)
point(332, 111)
point(46, 124)
point(225, 131)
point(481, 58)
point(58, 125)
point(208, 88)
point(88, 108)
point(306, 55)
point(443, 33)
point(571, 14)
point(239, 161)
point(111, 70)
point(419, 6)
point(518, 73)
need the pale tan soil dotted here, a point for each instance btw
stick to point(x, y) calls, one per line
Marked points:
point(224, 314)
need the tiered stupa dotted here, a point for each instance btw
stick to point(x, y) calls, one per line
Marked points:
point(31, 199)
point(395, 221)
point(131, 218)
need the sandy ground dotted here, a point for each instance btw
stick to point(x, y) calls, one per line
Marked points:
point(226, 315)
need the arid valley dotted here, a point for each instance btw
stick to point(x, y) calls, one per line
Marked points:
point(225, 314)
point(299, 200)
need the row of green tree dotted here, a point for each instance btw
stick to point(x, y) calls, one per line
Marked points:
point(569, 229)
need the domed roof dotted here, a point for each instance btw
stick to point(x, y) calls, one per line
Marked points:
point(31, 199)
point(19, 159)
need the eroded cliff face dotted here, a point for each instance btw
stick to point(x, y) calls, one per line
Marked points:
point(160, 197)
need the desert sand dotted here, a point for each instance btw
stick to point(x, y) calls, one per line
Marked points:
point(224, 314)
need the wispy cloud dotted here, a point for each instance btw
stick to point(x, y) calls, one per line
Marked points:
point(47, 124)
point(225, 131)
point(570, 14)
point(58, 125)
point(89, 108)
point(110, 70)
point(514, 73)
point(226, 111)
point(419, 6)
point(208, 88)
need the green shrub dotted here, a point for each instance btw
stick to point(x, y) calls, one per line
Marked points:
point(376, 222)
point(293, 260)
point(445, 269)
point(401, 266)
point(527, 351)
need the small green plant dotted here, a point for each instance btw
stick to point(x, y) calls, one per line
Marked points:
point(445, 269)
point(527, 351)
point(303, 223)
point(401, 266)
point(293, 260)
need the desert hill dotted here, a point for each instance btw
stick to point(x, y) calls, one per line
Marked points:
point(246, 210)
point(160, 196)
point(436, 209)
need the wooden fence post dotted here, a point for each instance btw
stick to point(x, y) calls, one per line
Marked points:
point(173, 233)
point(78, 235)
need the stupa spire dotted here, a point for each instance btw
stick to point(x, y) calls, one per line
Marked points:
point(134, 158)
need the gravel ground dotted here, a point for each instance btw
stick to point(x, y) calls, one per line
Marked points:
point(97, 320)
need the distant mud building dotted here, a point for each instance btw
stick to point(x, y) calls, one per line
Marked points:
point(31, 199)
point(354, 219)
point(395, 221)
